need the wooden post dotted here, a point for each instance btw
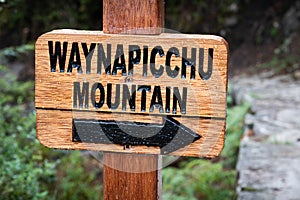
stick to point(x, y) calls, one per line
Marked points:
point(131, 176)
point(133, 16)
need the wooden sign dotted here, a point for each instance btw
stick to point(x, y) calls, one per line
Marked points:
point(163, 94)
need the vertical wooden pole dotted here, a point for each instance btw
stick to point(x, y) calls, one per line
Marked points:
point(131, 176)
point(133, 16)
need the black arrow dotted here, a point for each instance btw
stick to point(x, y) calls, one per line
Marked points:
point(170, 136)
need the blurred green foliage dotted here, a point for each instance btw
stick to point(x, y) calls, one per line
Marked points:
point(234, 131)
point(24, 20)
point(198, 179)
point(200, 16)
point(77, 178)
point(27, 169)
point(11, 54)
point(23, 171)
point(283, 61)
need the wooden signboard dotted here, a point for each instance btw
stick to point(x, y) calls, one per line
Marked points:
point(159, 94)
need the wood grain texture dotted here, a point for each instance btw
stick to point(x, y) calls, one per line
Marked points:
point(124, 180)
point(206, 99)
point(54, 130)
point(134, 17)
point(139, 176)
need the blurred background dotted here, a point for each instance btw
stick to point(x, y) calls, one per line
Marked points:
point(262, 36)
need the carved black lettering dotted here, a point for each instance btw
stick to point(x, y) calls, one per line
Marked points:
point(156, 101)
point(103, 59)
point(97, 86)
point(116, 104)
point(145, 60)
point(81, 96)
point(188, 62)
point(133, 50)
point(119, 63)
point(144, 89)
point(128, 97)
point(181, 99)
point(75, 63)
point(156, 72)
point(57, 55)
point(168, 96)
point(88, 54)
point(172, 73)
point(206, 75)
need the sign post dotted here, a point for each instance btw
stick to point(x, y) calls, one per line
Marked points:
point(133, 92)
point(131, 176)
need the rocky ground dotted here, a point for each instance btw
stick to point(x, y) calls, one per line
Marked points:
point(269, 156)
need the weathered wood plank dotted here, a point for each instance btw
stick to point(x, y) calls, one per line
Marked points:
point(54, 130)
point(206, 98)
point(198, 103)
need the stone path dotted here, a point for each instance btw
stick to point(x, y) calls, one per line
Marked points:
point(269, 157)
